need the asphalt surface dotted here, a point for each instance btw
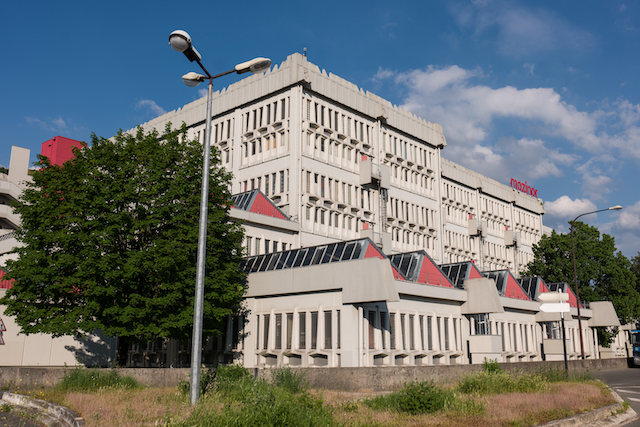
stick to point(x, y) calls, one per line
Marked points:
point(625, 382)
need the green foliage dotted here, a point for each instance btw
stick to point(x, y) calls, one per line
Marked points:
point(110, 242)
point(95, 379)
point(491, 366)
point(5, 407)
point(604, 274)
point(292, 380)
point(416, 398)
point(501, 382)
point(606, 336)
point(256, 402)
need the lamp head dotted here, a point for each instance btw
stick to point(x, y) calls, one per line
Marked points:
point(615, 208)
point(256, 65)
point(180, 41)
point(192, 79)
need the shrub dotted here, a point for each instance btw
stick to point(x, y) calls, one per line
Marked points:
point(290, 379)
point(491, 366)
point(95, 379)
point(415, 398)
point(251, 402)
point(501, 382)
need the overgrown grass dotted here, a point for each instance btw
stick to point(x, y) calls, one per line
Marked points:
point(95, 379)
point(233, 397)
point(245, 401)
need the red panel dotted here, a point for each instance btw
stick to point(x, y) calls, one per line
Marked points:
point(543, 287)
point(573, 301)
point(373, 252)
point(474, 273)
point(263, 206)
point(514, 290)
point(430, 274)
point(5, 284)
point(59, 149)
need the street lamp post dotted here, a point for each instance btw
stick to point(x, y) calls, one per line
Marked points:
point(181, 42)
point(575, 271)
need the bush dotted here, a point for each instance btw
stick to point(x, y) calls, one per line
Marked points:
point(491, 366)
point(95, 379)
point(501, 382)
point(250, 402)
point(415, 398)
point(291, 380)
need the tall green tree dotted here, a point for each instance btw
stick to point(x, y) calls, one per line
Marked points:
point(603, 272)
point(110, 241)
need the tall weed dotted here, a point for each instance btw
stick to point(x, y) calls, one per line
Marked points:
point(95, 379)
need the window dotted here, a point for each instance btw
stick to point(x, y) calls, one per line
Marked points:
point(327, 329)
point(372, 316)
point(302, 320)
point(314, 330)
point(278, 344)
point(392, 331)
point(402, 331)
point(289, 330)
point(265, 341)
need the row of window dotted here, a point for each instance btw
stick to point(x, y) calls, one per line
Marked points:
point(404, 177)
point(411, 213)
point(264, 115)
point(269, 184)
point(337, 120)
point(260, 245)
point(412, 151)
point(299, 331)
point(411, 332)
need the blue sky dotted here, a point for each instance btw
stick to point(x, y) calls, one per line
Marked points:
point(545, 92)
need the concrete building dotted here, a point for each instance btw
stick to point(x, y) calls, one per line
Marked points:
point(383, 252)
point(365, 247)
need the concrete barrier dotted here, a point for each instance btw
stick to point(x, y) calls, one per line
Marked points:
point(347, 379)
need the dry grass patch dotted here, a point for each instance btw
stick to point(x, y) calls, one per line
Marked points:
point(127, 408)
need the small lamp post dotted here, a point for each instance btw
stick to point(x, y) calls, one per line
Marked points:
point(181, 41)
point(575, 271)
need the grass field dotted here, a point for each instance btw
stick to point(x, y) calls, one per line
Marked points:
point(232, 397)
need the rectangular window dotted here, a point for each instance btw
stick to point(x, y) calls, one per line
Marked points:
point(446, 333)
point(327, 330)
point(278, 343)
point(314, 330)
point(412, 340)
point(372, 316)
point(421, 319)
point(302, 320)
point(258, 329)
point(265, 342)
point(383, 325)
point(289, 330)
point(338, 328)
point(403, 332)
point(392, 331)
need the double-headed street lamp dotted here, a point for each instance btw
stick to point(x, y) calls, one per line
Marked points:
point(181, 42)
point(575, 271)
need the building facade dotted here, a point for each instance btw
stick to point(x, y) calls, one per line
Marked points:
point(440, 248)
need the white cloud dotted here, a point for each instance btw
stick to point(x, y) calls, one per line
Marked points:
point(523, 31)
point(467, 111)
point(52, 125)
point(629, 219)
point(566, 208)
point(151, 106)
